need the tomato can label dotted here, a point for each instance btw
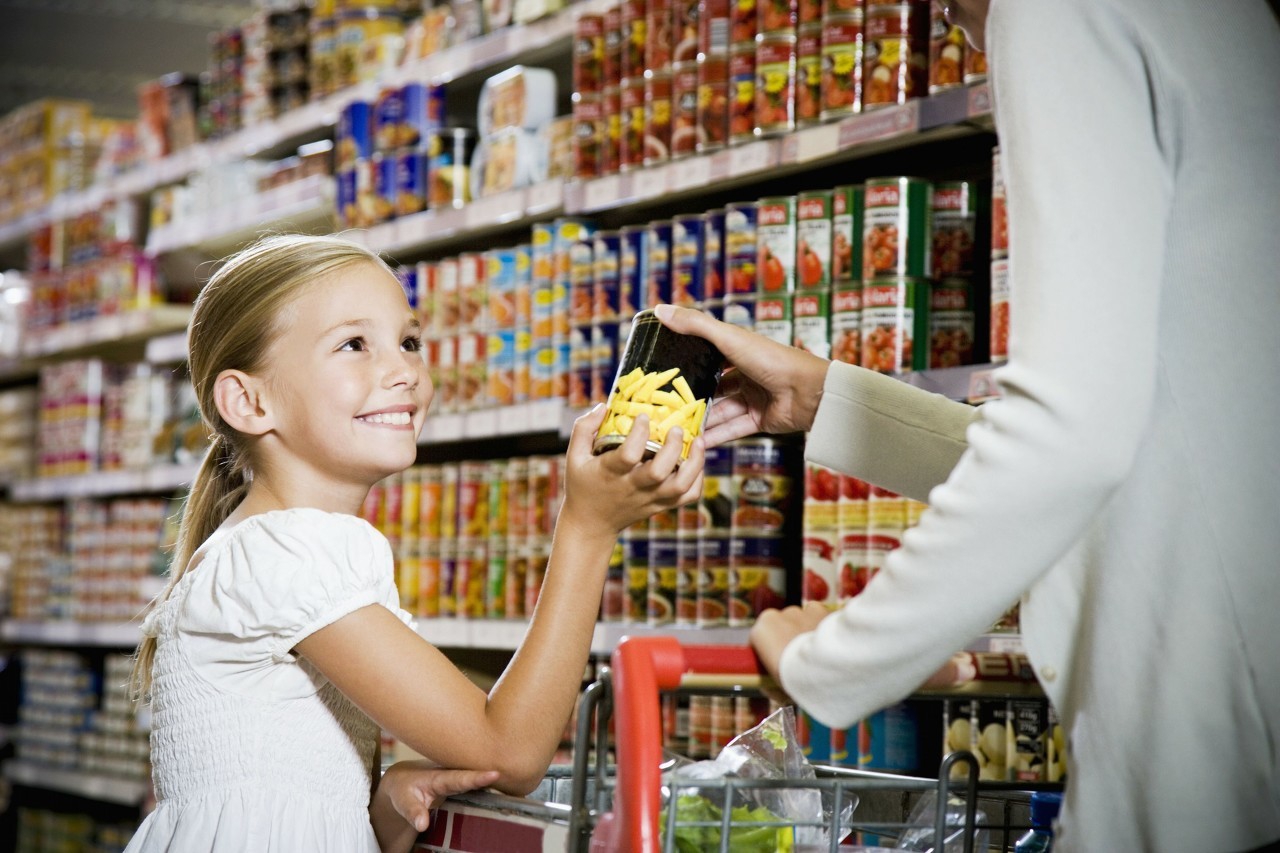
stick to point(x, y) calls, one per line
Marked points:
point(776, 245)
point(495, 597)
point(818, 562)
point(773, 318)
point(896, 228)
point(954, 221)
point(811, 321)
point(841, 66)
point(605, 278)
point(904, 20)
point(657, 118)
point(740, 248)
point(588, 54)
point(1000, 309)
point(757, 579)
point(684, 107)
point(742, 22)
point(631, 142)
point(589, 127)
point(846, 324)
point(951, 323)
point(838, 8)
point(775, 85)
point(742, 93)
point(611, 64)
point(894, 319)
point(713, 103)
point(659, 37)
point(776, 16)
point(893, 71)
point(999, 210)
point(657, 269)
point(713, 27)
point(947, 45)
point(821, 498)
point(813, 240)
point(846, 234)
point(809, 75)
point(687, 260)
point(712, 255)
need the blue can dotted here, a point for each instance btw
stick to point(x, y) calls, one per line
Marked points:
point(740, 248)
point(687, 283)
point(604, 358)
point(606, 272)
point(345, 201)
point(815, 738)
point(408, 277)
point(388, 120)
point(385, 187)
point(581, 356)
point(354, 135)
point(888, 740)
point(423, 111)
point(713, 255)
point(631, 266)
point(657, 263)
point(411, 181)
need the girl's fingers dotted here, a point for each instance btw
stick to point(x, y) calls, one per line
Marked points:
point(630, 453)
point(667, 458)
point(585, 427)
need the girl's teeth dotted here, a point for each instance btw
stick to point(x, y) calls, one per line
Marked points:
point(393, 419)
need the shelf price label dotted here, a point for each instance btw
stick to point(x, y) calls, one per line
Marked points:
point(879, 124)
point(504, 207)
point(691, 173)
point(751, 158)
point(602, 193)
point(811, 144)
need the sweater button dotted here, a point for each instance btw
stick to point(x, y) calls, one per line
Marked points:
point(1048, 673)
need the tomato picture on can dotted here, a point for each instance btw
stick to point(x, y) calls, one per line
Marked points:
point(846, 324)
point(950, 324)
point(809, 75)
point(813, 240)
point(757, 579)
point(776, 245)
point(713, 103)
point(775, 88)
point(894, 317)
point(841, 66)
point(776, 16)
point(742, 23)
point(657, 118)
point(742, 94)
point(896, 228)
point(954, 221)
point(947, 45)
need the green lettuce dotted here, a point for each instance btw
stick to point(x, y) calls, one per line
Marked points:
point(746, 832)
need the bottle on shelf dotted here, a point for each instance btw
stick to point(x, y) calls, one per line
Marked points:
point(1044, 810)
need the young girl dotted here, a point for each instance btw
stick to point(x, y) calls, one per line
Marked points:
point(278, 648)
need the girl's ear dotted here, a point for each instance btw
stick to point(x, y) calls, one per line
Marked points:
point(239, 400)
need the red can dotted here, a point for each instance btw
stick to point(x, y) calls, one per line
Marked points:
point(954, 222)
point(895, 315)
point(713, 28)
point(684, 105)
point(811, 319)
point(813, 240)
point(631, 141)
point(686, 599)
point(660, 36)
point(588, 136)
point(611, 69)
point(611, 106)
point(975, 65)
point(777, 17)
point(712, 103)
point(1000, 309)
point(809, 75)
point(634, 28)
point(588, 54)
point(950, 323)
point(775, 88)
point(757, 578)
point(657, 118)
point(808, 12)
point(894, 70)
point(742, 23)
point(841, 66)
point(999, 210)
point(684, 23)
point(846, 324)
point(946, 52)
point(713, 580)
point(742, 93)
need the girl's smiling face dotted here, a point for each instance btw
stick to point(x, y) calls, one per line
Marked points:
point(348, 381)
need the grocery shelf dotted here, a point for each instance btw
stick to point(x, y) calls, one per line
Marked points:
point(159, 478)
point(93, 786)
point(537, 416)
point(303, 205)
point(65, 632)
point(86, 336)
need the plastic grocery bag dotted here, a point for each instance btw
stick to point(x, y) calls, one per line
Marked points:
point(761, 819)
point(922, 827)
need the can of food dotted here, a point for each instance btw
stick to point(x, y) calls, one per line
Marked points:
point(761, 486)
point(773, 318)
point(611, 64)
point(473, 500)
point(757, 579)
point(951, 323)
point(471, 581)
point(846, 323)
point(809, 75)
point(611, 106)
point(990, 740)
point(821, 498)
point(446, 596)
point(606, 256)
point(684, 22)
point(742, 93)
point(631, 142)
point(893, 70)
point(323, 55)
point(410, 182)
point(686, 600)
point(898, 20)
point(776, 16)
point(588, 54)
point(657, 117)
point(389, 126)
point(999, 210)
point(473, 381)
point(684, 106)
point(659, 40)
point(634, 30)
point(713, 28)
point(517, 573)
point(813, 240)
point(712, 256)
point(836, 8)
point(713, 580)
point(687, 260)
point(1026, 740)
point(495, 592)
point(613, 600)
point(589, 129)
point(819, 565)
point(946, 52)
point(811, 322)
point(700, 727)
point(423, 111)
point(448, 172)
point(889, 740)
point(580, 356)
point(895, 316)
point(740, 248)
point(631, 285)
point(524, 355)
point(743, 23)
point(354, 134)
point(842, 48)
point(663, 569)
point(975, 65)
point(581, 281)
point(473, 297)
point(740, 311)
point(515, 473)
point(712, 103)
point(539, 556)
point(604, 359)
point(775, 90)
point(356, 29)
point(669, 377)
point(999, 347)
point(445, 376)
point(501, 275)
point(846, 234)
point(954, 223)
point(543, 491)
point(776, 245)
point(896, 229)
point(715, 504)
point(636, 562)
point(657, 263)
point(501, 367)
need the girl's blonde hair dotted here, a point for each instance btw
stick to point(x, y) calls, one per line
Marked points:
point(234, 322)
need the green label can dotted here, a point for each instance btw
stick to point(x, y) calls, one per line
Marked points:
point(895, 325)
point(896, 229)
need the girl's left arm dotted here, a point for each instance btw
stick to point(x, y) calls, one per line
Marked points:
point(402, 801)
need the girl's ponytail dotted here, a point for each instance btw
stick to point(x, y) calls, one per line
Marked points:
point(219, 485)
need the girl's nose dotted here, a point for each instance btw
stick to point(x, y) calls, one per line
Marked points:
point(402, 370)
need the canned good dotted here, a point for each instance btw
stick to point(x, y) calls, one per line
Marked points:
point(684, 105)
point(846, 234)
point(773, 318)
point(713, 103)
point(975, 65)
point(821, 498)
point(606, 270)
point(581, 281)
point(411, 182)
point(895, 315)
point(687, 260)
point(894, 70)
point(636, 557)
point(742, 93)
point(743, 23)
point(611, 64)
point(663, 570)
point(757, 579)
point(612, 123)
point(951, 324)
point(513, 591)
point(809, 75)
point(776, 245)
point(819, 566)
point(713, 581)
point(501, 367)
point(473, 297)
point(501, 275)
point(589, 130)
point(713, 28)
point(999, 209)
point(666, 376)
point(715, 504)
point(684, 21)
point(631, 284)
point(604, 359)
point(539, 556)
point(811, 313)
point(345, 198)
point(323, 55)
point(657, 117)
point(657, 263)
point(713, 255)
point(740, 247)
point(354, 134)
point(634, 28)
point(846, 324)
point(946, 52)
point(813, 240)
point(448, 172)
point(389, 120)
point(999, 347)
point(836, 8)
point(544, 495)
point(423, 111)
point(631, 142)
point(613, 600)
point(775, 89)
point(447, 596)
point(1027, 740)
point(740, 311)
point(588, 54)
point(888, 740)
point(471, 579)
point(896, 228)
point(842, 49)
point(989, 739)
point(700, 727)
point(429, 580)
point(776, 16)
point(496, 576)
point(954, 218)
point(761, 486)
point(659, 36)
point(356, 29)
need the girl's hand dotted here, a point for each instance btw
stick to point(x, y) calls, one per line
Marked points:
point(771, 388)
point(774, 629)
point(605, 494)
point(413, 788)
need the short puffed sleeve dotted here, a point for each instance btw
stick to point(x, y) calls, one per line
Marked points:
point(277, 578)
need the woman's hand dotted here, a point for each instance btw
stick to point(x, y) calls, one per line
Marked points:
point(411, 789)
point(605, 494)
point(771, 388)
point(774, 629)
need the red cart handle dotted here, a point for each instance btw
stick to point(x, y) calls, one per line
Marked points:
point(643, 666)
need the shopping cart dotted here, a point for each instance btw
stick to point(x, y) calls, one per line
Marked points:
point(595, 805)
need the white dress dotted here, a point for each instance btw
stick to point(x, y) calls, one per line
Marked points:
point(252, 748)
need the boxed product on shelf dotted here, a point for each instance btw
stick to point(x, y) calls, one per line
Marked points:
point(168, 110)
point(19, 421)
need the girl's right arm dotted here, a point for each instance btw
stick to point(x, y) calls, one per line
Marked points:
point(413, 691)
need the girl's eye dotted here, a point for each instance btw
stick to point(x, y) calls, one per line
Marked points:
point(411, 344)
point(353, 345)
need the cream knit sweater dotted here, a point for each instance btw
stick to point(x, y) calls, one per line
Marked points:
point(1129, 479)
